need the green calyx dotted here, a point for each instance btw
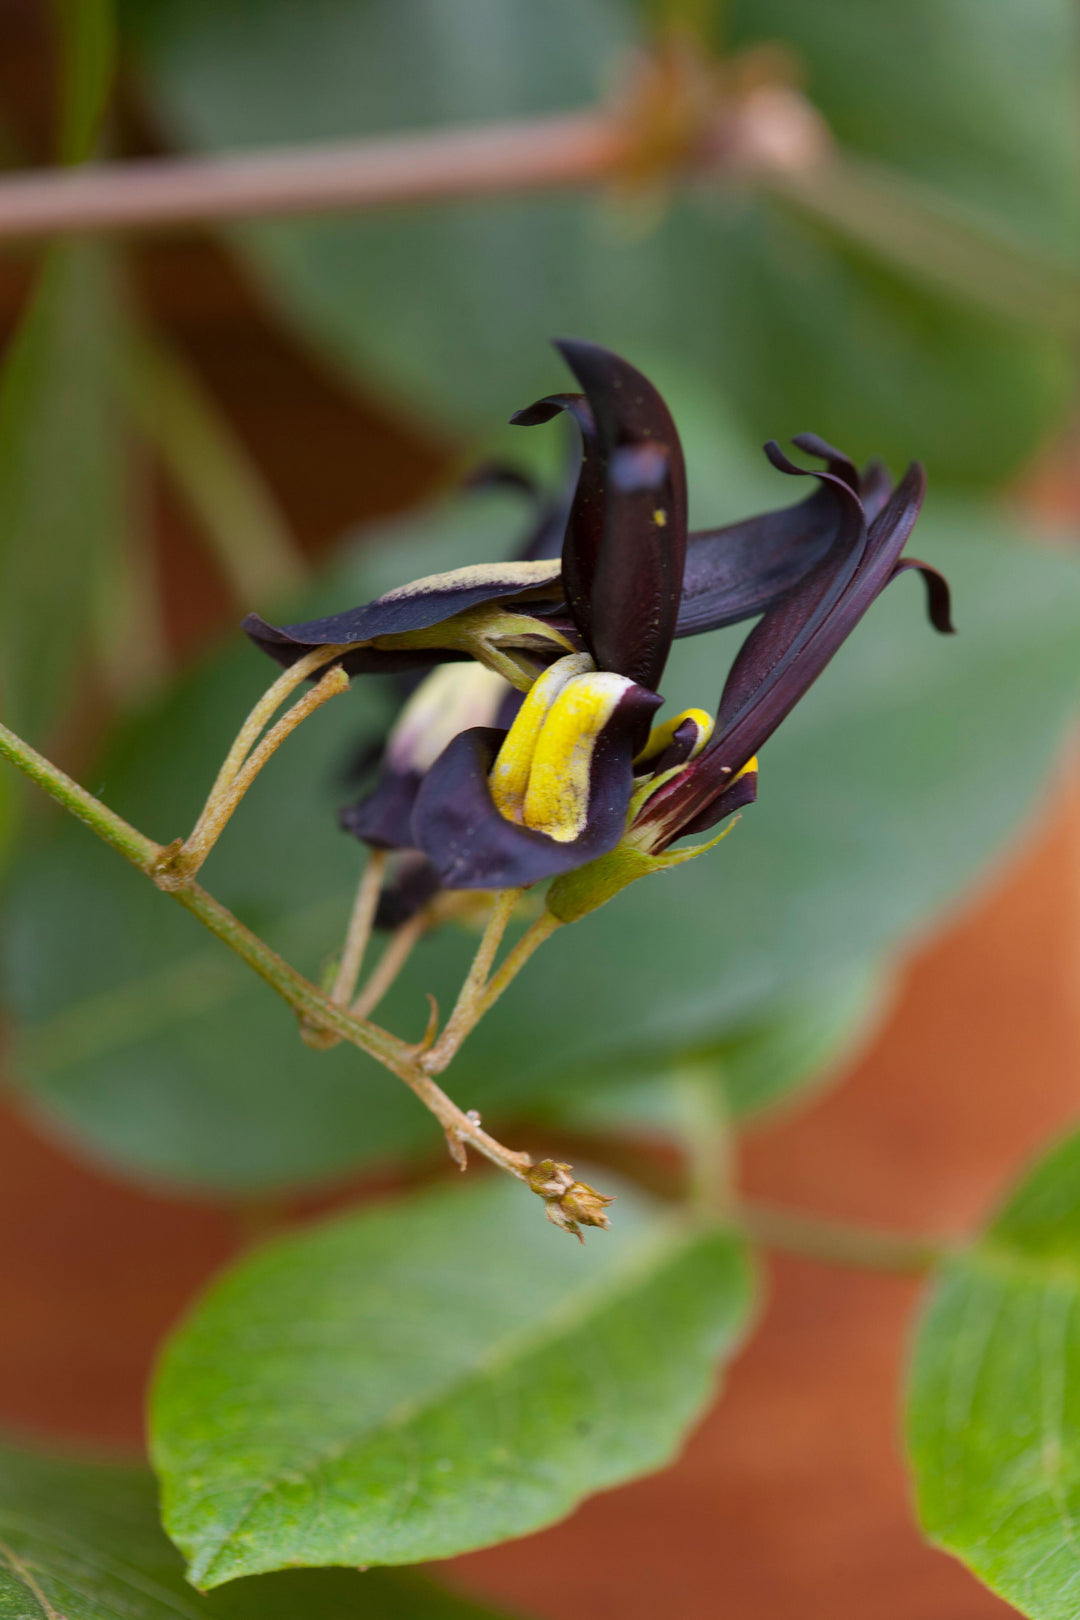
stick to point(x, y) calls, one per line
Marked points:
point(576, 893)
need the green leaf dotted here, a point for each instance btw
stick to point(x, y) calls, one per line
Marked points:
point(994, 1404)
point(449, 308)
point(435, 1375)
point(81, 1541)
point(756, 1066)
point(61, 482)
point(882, 799)
point(87, 38)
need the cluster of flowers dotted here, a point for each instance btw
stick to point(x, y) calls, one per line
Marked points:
point(529, 750)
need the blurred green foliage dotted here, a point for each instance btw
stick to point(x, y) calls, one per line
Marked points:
point(447, 309)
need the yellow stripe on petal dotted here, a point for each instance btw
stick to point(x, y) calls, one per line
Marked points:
point(557, 798)
point(509, 777)
point(661, 736)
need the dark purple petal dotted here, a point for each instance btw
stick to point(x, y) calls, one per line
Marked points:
point(743, 791)
point(938, 596)
point(419, 606)
point(836, 462)
point(585, 523)
point(683, 742)
point(626, 535)
point(383, 817)
point(448, 702)
point(738, 571)
point(757, 677)
point(785, 654)
point(472, 846)
point(875, 487)
point(745, 568)
point(637, 580)
point(409, 888)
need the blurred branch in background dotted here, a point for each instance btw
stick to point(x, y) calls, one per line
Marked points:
point(213, 471)
point(675, 120)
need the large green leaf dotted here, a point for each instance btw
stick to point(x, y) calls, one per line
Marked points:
point(81, 1541)
point(449, 308)
point(61, 482)
point(435, 1375)
point(797, 1048)
point(906, 768)
point(994, 1407)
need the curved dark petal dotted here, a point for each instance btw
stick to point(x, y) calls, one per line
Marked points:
point(875, 487)
point(740, 570)
point(938, 595)
point(743, 791)
point(745, 568)
point(585, 524)
point(623, 564)
point(419, 606)
point(678, 750)
point(785, 654)
point(795, 642)
point(383, 817)
point(837, 463)
point(408, 889)
point(758, 675)
point(471, 846)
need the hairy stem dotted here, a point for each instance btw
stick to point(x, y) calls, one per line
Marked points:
point(399, 947)
point(530, 941)
point(244, 761)
point(837, 1243)
point(264, 711)
point(359, 930)
point(180, 865)
point(466, 1008)
point(308, 1002)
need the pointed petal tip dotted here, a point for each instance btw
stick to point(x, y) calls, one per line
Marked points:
point(532, 415)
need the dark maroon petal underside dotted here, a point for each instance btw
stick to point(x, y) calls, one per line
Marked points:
point(394, 615)
point(408, 889)
point(637, 566)
point(938, 595)
point(383, 817)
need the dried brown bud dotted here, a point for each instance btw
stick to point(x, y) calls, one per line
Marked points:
point(568, 1204)
point(583, 1203)
point(549, 1179)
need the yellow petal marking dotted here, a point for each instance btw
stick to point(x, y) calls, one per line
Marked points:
point(660, 736)
point(557, 798)
point(509, 777)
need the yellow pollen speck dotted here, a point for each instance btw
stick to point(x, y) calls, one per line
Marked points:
point(659, 517)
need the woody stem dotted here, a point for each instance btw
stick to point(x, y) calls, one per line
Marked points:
point(306, 1000)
